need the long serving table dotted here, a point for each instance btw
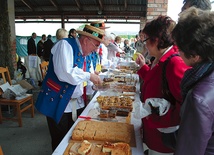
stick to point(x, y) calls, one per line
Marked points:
point(138, 150)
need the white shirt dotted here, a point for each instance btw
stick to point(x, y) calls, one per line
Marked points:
point(112, 50)
point(63, 68)
point(105, 62)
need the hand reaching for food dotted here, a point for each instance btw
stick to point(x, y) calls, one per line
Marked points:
point(95, 78)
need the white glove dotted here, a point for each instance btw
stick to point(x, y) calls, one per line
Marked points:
point(159, 106)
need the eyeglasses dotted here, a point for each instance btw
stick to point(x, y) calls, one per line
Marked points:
point(145, 39)
point(96, 46)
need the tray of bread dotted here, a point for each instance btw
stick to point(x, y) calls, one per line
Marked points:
point(109, 102)
point(104, 131)
point(90, 147)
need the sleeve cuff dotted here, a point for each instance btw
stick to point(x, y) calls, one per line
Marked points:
point(87, 76)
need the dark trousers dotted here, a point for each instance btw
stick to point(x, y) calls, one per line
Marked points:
point(58, 131)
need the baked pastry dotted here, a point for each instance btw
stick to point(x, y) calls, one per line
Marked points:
point(121, 149)
point(108, 147)
point(104, 131)
point(84, 148)
point(77, 134)
point(109, 102)
point(116, 148)
point(103, 113)
point(108, 79)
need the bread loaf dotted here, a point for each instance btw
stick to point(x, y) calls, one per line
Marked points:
point(103, 131)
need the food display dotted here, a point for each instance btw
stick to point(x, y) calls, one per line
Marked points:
point(116, 148)
point(84, 148)
point(103, 131)
point(109, 102)
point(125, 88)
point(97, 148)
point(102, 87)
point(108, 79)
point(104, 113)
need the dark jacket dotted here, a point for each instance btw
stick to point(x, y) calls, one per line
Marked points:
point(31, 46)
point(47, 49)
point(40, 48)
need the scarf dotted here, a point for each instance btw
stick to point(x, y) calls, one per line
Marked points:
point(194, 75)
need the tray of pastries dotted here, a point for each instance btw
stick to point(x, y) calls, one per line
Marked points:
point(89, 147)
point(109, 102)
point(104, 131)
point(125, 88)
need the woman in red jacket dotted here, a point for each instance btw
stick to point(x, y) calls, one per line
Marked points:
point(160, 46)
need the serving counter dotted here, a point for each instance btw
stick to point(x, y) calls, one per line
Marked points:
point(138, 150)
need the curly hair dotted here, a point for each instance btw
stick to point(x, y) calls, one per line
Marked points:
point(194, 33)
point(160, 28)
point(201, 4)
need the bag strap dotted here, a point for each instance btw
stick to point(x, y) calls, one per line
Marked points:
point(165, 87)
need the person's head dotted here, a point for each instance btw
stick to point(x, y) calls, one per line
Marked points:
point(61, 33)
point(108, 38)
point(90, 38)
point(72, 33)
point(141, 35)
point(43, 37)
point(158, 34)
point(194, 35)
point(49, 36)
point(118, 39)
point(126, 42)
point(34, 35)
point(201, 4)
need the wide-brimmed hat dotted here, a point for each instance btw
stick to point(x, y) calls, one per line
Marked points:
point(93, 32)
point(99, 24)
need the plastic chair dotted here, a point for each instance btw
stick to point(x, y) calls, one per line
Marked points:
point(18, 104)
point(44, 68)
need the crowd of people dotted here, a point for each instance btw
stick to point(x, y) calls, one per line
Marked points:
point(176, 63)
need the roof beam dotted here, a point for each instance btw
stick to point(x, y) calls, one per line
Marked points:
point(125, 5)
point(114, 22)
point(27, 4)
point(101, 4)
point(78, 4)
point(82, 13)
point(55, 4)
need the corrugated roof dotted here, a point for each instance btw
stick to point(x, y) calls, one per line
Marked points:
point(80, 9)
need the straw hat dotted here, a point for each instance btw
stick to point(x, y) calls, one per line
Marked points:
point(99, 24)
point(93, 32)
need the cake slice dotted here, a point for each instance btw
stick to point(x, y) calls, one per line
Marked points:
point(107, 147)
point(84, 148)
point(116, 148)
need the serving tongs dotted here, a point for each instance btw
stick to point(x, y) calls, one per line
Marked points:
point(99, 119)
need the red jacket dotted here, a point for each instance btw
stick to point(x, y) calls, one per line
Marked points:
point(152, 88)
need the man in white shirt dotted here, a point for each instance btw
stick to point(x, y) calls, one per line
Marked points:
point(60, 98)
